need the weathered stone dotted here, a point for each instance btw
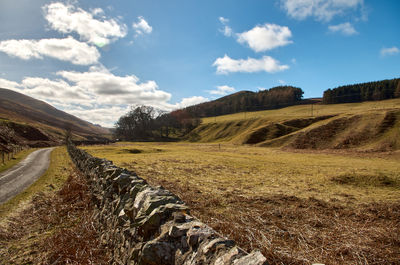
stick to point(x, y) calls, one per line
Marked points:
point(177, 231)
point(212, 246)
point(198, 233)
point(254, 258)
point(121, 182)
point(157, 253)
point(227, 258)
point(158, 216)
point(150, 225)
point(153, 202)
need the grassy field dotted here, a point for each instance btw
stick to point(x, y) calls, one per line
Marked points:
point(310, 110)
point(297, 207)
point(368, 127)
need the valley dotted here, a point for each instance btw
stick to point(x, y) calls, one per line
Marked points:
point(297, 207)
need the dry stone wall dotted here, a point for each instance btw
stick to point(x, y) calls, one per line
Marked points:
point(150, 225)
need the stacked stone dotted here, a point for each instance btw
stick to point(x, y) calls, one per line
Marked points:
point(150, 225)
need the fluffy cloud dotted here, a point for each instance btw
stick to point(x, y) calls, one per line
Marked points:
point(185, 102)
point(66, 18)
point(56, 91)
point(268, 64)
point(389, 51)
point(344, 28)
point(67, 49)
point(222, 90)
point(97, 95)
point(112, 89)
point(226, 30)
point(4, 83)
point(266, 37)
point(322, 10)
point(105, 116)
point(142, 26)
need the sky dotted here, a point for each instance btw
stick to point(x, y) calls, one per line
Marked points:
point(96, 59)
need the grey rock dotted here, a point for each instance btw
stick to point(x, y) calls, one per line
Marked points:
point(254, 258)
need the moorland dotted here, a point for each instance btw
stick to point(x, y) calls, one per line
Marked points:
point(303, 192)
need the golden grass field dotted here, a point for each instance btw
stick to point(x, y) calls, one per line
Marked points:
point(310, 110)
point(297, 207)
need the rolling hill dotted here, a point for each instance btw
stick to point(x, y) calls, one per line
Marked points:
point(367, 126)
point(273, 98)
point(29, 121)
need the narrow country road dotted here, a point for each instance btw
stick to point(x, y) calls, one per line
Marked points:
point(22, 175)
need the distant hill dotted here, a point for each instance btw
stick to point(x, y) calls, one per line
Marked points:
point(18, 110)
point(276, 97)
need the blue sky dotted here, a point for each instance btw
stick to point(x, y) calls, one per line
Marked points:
point(95, 59)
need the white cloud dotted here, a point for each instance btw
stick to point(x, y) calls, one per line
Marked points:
point(266, 37)
point(105, 116)
point(186, 102)
point(344, 28)
point(226, 30)
point(268, 64)
point(56, 91)
point(112, 89)
point(67, 18)
point(222, 90)
point(97, 11)
point(389, 51)
point(223, 20)
point(142, 26)
point(4, 83)
point(97, 95)
point(322, 10)
point(281, 82)
point(67, 49)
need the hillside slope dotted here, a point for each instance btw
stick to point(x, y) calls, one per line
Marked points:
point(32, 122)
point(35, 110)
point(363, 126)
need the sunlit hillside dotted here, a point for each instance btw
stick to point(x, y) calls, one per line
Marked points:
point(368, 126)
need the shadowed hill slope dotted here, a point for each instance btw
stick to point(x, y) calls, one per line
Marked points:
point(29, 108)
point(25, 120)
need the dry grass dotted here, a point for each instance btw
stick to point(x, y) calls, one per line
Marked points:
point(296, 207)
point(56, 225)
point(55, 229)
point(305, 111)
point(17, 158)
point(52, 179)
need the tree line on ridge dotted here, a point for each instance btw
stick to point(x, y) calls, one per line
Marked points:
point(148, 123)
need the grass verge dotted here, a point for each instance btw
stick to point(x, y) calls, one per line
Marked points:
point(17, 158)
point(56, 226)
point(52, 179)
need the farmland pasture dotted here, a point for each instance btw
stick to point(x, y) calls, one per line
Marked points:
point(301, 111)
point(297, 207)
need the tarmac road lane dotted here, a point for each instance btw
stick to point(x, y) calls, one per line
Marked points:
point(22, 175)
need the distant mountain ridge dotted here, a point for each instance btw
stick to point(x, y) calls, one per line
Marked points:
point(17, 107)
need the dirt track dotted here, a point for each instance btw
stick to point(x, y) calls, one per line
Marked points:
point(22, 175)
